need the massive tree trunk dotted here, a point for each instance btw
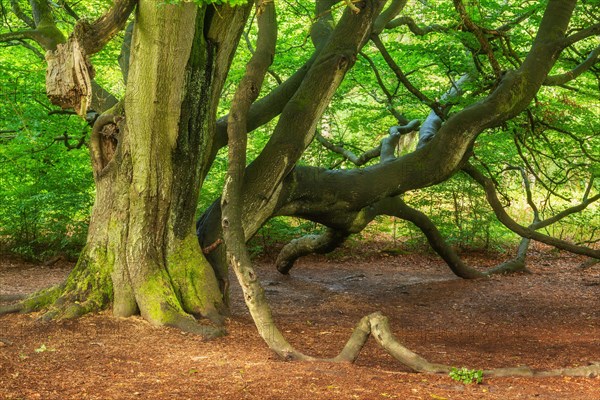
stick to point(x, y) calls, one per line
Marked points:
point(150, 155)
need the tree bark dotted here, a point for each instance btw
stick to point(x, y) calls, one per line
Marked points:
point(142, 253)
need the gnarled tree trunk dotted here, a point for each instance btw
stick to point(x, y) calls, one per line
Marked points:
point(150, 155)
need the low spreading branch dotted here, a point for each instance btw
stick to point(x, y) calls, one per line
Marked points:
point(322, 243)
point(529, 232)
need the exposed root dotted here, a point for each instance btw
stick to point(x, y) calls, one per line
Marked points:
point(377, 325)
point(187, 323)
point(11, 308)
point(5, 298)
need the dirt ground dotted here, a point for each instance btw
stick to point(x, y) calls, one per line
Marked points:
point(547, 319)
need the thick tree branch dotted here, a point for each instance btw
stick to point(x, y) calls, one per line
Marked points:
point(48, 35)
point(398, 208)
point(273, 74)
point(321, 243)
point(231, 201)
point(387, 15)
point(94, 36)
point(268, 107)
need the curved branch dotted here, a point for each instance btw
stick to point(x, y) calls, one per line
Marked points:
point(48, 35)
point(580, 35)
point(414, 28)
point(322, 243)
point(382, 22)
point(398, 208)
point(557, 80)
point(94, 36)
point(522, 231)
point(231, 200)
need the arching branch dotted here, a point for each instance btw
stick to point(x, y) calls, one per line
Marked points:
point(94, 36)
point(525, 232)
point(321, 243)
point(414, 28)
point(581, 35)
point(557, 80)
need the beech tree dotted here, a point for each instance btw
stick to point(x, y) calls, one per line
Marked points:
point(152, 149)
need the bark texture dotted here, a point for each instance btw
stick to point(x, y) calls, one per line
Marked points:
point(149, 156)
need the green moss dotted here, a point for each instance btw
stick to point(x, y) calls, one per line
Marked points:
point(90, 281)
point(87, 288)
point(42, 299)
point(193, 277)
point(158, 301)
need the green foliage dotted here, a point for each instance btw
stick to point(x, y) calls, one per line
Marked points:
point(466, 376)
point(46, 190)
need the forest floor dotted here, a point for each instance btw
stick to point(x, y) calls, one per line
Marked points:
point(547, 319)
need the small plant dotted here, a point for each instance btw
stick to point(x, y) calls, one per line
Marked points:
point(43, 349)
point(466, 376)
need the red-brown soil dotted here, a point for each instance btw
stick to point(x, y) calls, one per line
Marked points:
point(547, 319)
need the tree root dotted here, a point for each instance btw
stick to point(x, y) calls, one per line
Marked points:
point(377, 325)
point(5, 298)
point(11, 308)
